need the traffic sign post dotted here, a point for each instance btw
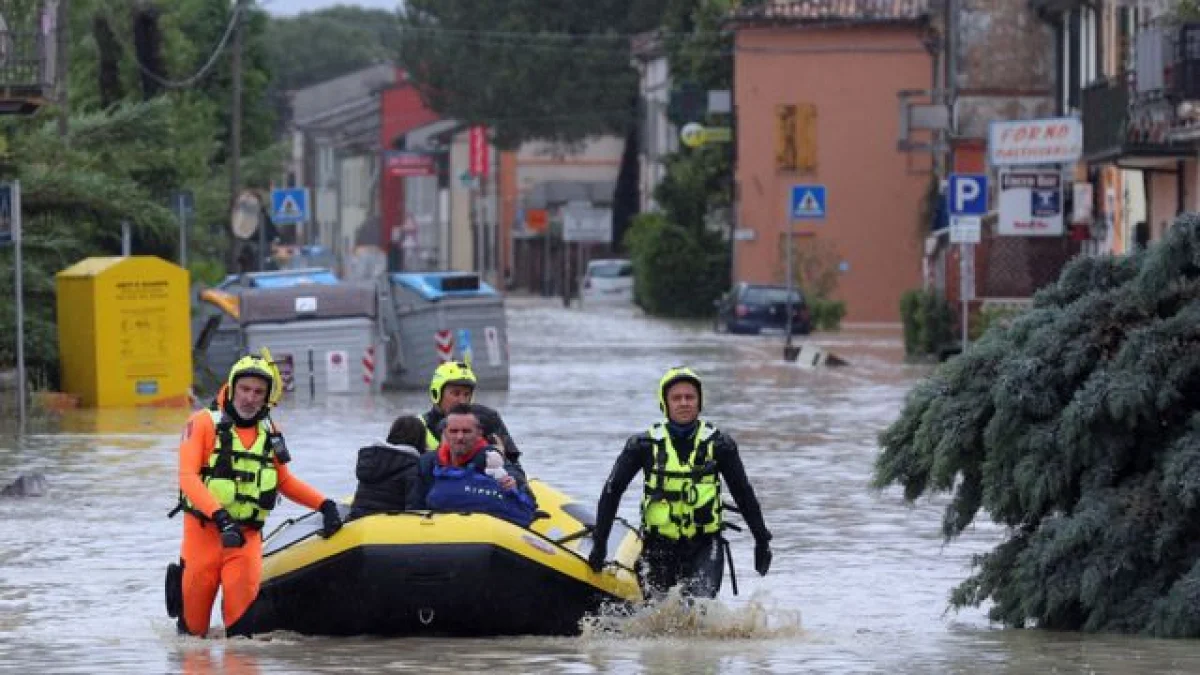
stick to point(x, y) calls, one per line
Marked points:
point(968, 195)
point(185, 205)
point(807, 203)
point(289, 206)
point(10, 227)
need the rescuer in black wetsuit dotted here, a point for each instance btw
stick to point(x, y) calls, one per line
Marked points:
point(684, 460)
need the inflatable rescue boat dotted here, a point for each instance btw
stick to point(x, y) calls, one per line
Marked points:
point(454, 574)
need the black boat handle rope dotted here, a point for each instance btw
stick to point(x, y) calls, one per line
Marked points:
point(574, 535)
point(287, 523)
point(729, 556)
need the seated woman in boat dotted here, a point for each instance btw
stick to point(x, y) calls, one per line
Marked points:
point(387, 470)
point(457, 477)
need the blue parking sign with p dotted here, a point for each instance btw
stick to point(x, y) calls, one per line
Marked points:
point(968, 194)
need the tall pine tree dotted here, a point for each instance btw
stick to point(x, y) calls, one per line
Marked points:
point(1078, 429)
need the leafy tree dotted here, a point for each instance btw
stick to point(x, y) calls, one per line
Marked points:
point(317, 46)
point(132, 141)
point(678, 272)
point(529, 69)
point(684, 272)
point(75, 193)
point(1076, 427)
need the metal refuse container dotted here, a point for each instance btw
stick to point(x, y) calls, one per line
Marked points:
point(217, 328)
point(445, 316)
point(329, 356)
point(324, 337)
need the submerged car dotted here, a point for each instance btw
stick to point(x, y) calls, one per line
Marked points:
point(607, 280)
point(754, 308)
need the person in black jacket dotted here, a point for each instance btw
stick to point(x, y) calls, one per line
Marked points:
point(684, 460)
point(453, 384)
point(387, 471)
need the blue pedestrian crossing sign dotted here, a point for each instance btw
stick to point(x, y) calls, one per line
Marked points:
point(289, 206)
point(807, 203)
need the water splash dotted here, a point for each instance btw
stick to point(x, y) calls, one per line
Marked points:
point(677, 616)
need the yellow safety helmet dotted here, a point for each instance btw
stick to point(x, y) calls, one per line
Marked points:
point(450, 372)
point(674, 376)
point(259, 365)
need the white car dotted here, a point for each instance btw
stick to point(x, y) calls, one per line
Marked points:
point(608, 281)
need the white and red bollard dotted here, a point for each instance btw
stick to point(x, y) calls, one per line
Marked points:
point(368, 364)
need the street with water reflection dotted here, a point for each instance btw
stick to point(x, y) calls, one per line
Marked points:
point(859, 583)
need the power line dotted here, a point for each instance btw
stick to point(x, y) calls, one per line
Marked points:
point(525, 37)
point(555, 43)
point(199, 74)
point(558, 35)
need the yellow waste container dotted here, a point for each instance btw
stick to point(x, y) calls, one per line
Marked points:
point(124, 332)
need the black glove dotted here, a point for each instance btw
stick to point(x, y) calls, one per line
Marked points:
point(332, 521)
point(231, 534)
point(597, 556)
point(762, 557)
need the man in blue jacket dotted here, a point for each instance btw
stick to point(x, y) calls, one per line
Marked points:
point(456, 476)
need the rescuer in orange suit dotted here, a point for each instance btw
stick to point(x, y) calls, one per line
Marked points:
point(232, 467)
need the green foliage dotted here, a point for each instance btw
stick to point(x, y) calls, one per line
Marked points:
point(928, 322)
point(697, 49)
point(681, 266)
point(317, 46)
point(696, 182)
point(993, 315)
point(1183, 11)
point(208, 272)
point(678, 272)
point(124, 154)
point(473, 60)
point(1075, 427)
point(815, 264)
point(75, 193)
point(826, 314)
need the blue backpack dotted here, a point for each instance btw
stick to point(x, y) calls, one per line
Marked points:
point(467, 490)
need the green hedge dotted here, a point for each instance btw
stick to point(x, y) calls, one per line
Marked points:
point(928, 322)
point(826, 315)
point(677, 272)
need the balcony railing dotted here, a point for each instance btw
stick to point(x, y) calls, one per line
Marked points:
point(1116, 125)
point(27, 52)
point(1167, 62)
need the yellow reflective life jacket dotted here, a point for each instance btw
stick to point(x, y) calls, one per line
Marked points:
point(682, 500)
point(431, 441)
point(244, 480)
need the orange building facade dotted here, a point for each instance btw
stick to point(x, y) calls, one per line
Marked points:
point(817, 104)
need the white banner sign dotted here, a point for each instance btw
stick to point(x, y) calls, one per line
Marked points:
point(1049, 141)
point(1030, 204)
point(587, 224)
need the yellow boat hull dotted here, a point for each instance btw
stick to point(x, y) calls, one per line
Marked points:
point(457, 574)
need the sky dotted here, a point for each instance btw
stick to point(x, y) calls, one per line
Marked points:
point(290, 7)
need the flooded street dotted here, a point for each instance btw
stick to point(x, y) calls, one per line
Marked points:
point(859, 583)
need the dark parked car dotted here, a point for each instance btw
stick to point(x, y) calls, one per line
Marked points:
point(753, 308)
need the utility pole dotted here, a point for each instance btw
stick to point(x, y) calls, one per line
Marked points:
point(235, 116)
point(62, 38)
point(234, 157)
